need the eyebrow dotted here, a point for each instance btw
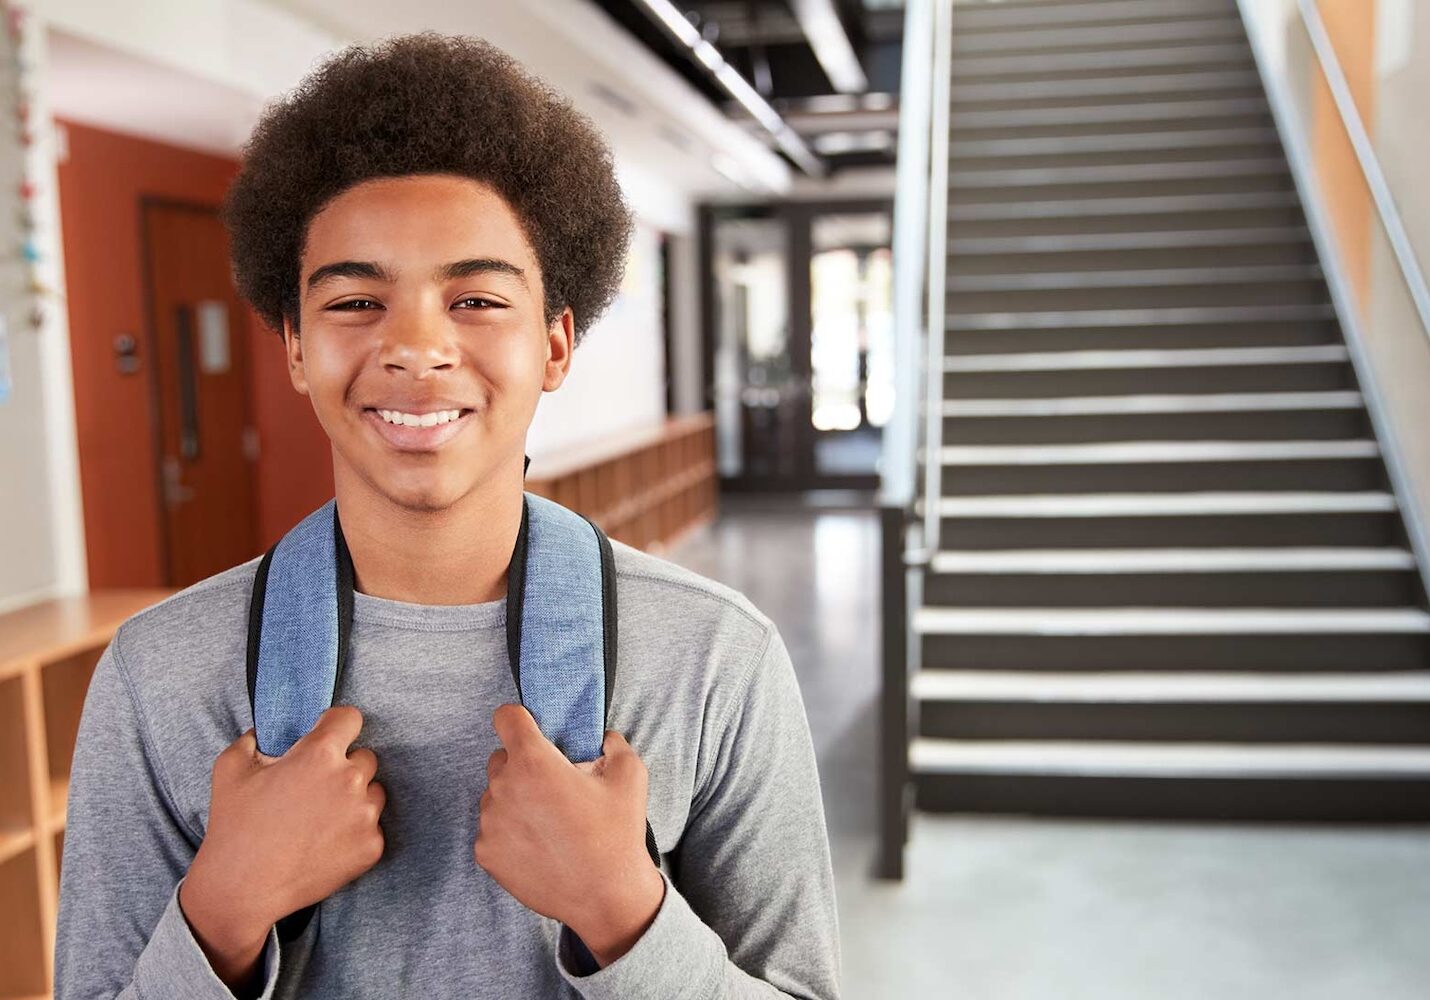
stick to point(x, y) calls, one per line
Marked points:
point(446, 272)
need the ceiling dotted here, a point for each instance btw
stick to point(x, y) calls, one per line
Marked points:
point(829, 69)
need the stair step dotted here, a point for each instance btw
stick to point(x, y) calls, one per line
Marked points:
point(1118, 142)
point(1198, 56)
point(1052, 39)
point(1116, 173)
point(1063, 319)
point(1189, 504)
point(1094, 90)
point(1095, 208)
point(1198, 560)
point(1101, 242)
point(1172, 708)
point(1157, 688)
point(1250, 402)
point(1156, 452)
point(1163, 760)
point(999, 17)
point(1141, 278)
point(1052, 361)
point(1158, 621)
point(1138, 111)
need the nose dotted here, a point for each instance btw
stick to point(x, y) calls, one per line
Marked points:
point(419, 342)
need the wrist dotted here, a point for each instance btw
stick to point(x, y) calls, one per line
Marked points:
point(219, 911)
point(618, 919)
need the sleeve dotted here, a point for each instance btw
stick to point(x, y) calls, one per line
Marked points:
point(120, 929)
point(755, 912)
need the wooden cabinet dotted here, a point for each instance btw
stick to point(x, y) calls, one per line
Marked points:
point(647, 487)
point(47, 654)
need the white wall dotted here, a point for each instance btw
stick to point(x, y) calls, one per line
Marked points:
point(41, 529)
point(617, 373)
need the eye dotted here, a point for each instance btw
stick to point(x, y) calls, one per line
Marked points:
point(483, 302)
point(345, 306)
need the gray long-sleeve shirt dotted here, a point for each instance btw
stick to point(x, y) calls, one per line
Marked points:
point(705, 694)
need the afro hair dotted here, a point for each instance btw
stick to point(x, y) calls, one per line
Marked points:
point(429, 103)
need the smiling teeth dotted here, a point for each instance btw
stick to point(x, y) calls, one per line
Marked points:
point(419, 420)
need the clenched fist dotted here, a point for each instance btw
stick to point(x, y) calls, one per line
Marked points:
point(568, 840)
point(284, 832)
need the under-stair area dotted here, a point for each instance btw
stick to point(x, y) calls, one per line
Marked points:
point(1170, 577)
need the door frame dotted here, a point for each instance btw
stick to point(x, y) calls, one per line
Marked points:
point(144, 203)
point(797, 218)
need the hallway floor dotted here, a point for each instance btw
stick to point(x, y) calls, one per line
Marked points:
point(1008, 908)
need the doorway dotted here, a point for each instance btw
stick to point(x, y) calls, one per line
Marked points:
point(205, 443)
point(798, 337)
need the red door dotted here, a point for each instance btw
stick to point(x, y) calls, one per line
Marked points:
point(206, 445)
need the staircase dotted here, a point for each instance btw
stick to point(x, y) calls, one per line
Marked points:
point(1171, 579)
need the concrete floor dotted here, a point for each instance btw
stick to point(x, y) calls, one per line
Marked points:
point(1008, 907)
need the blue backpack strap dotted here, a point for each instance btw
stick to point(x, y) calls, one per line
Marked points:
point(554, 607)
point(298, 626)
point(561, 625)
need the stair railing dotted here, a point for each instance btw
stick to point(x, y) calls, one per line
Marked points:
point(920, 231)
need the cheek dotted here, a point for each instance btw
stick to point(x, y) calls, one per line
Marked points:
point(515, 366)
point(329, 373)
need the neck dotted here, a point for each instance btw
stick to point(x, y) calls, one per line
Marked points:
point(457, 555)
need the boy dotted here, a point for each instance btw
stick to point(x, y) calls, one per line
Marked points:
point(432, 231)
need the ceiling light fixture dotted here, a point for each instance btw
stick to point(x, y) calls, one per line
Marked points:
point(674, 22)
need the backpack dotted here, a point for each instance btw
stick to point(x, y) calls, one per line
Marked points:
point(560, 626)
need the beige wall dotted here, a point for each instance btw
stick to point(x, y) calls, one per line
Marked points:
point(1399, 345)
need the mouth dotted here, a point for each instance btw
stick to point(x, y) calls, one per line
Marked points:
point(429, 432)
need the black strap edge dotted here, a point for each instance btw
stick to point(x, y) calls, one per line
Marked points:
point(255, 629)
point(346, 577)
point(608, 613)
point(291, 927)
point(515, 589)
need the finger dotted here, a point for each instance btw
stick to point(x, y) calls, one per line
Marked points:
point(613, 743)
point(516, 728)
point(338, 727)
point(366, 762)
point(495, 763)
point(377, 795)
point(244, 749)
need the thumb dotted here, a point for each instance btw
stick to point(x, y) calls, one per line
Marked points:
point(614, 745)
point(613, 748)
point(247, 745)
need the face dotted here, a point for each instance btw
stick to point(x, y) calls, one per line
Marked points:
point(422, 344)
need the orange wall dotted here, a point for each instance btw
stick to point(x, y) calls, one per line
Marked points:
point(1351, 26)
point(100, 184)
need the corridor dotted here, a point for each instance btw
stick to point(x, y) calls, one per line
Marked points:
point(1018, 909)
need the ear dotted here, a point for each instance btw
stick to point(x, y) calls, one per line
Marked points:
point(560, 342)
point(293, 344)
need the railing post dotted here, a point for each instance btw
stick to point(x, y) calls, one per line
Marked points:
point(894, 698)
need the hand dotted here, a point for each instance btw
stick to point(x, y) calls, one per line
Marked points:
point(568, 840)
point(286, 832)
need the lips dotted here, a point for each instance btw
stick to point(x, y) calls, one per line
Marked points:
point(418, 439)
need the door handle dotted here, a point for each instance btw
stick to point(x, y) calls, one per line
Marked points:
point(188, 385)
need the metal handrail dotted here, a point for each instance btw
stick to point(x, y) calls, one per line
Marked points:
point(898, 461)
point(937, 261)
point(1365, 156)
